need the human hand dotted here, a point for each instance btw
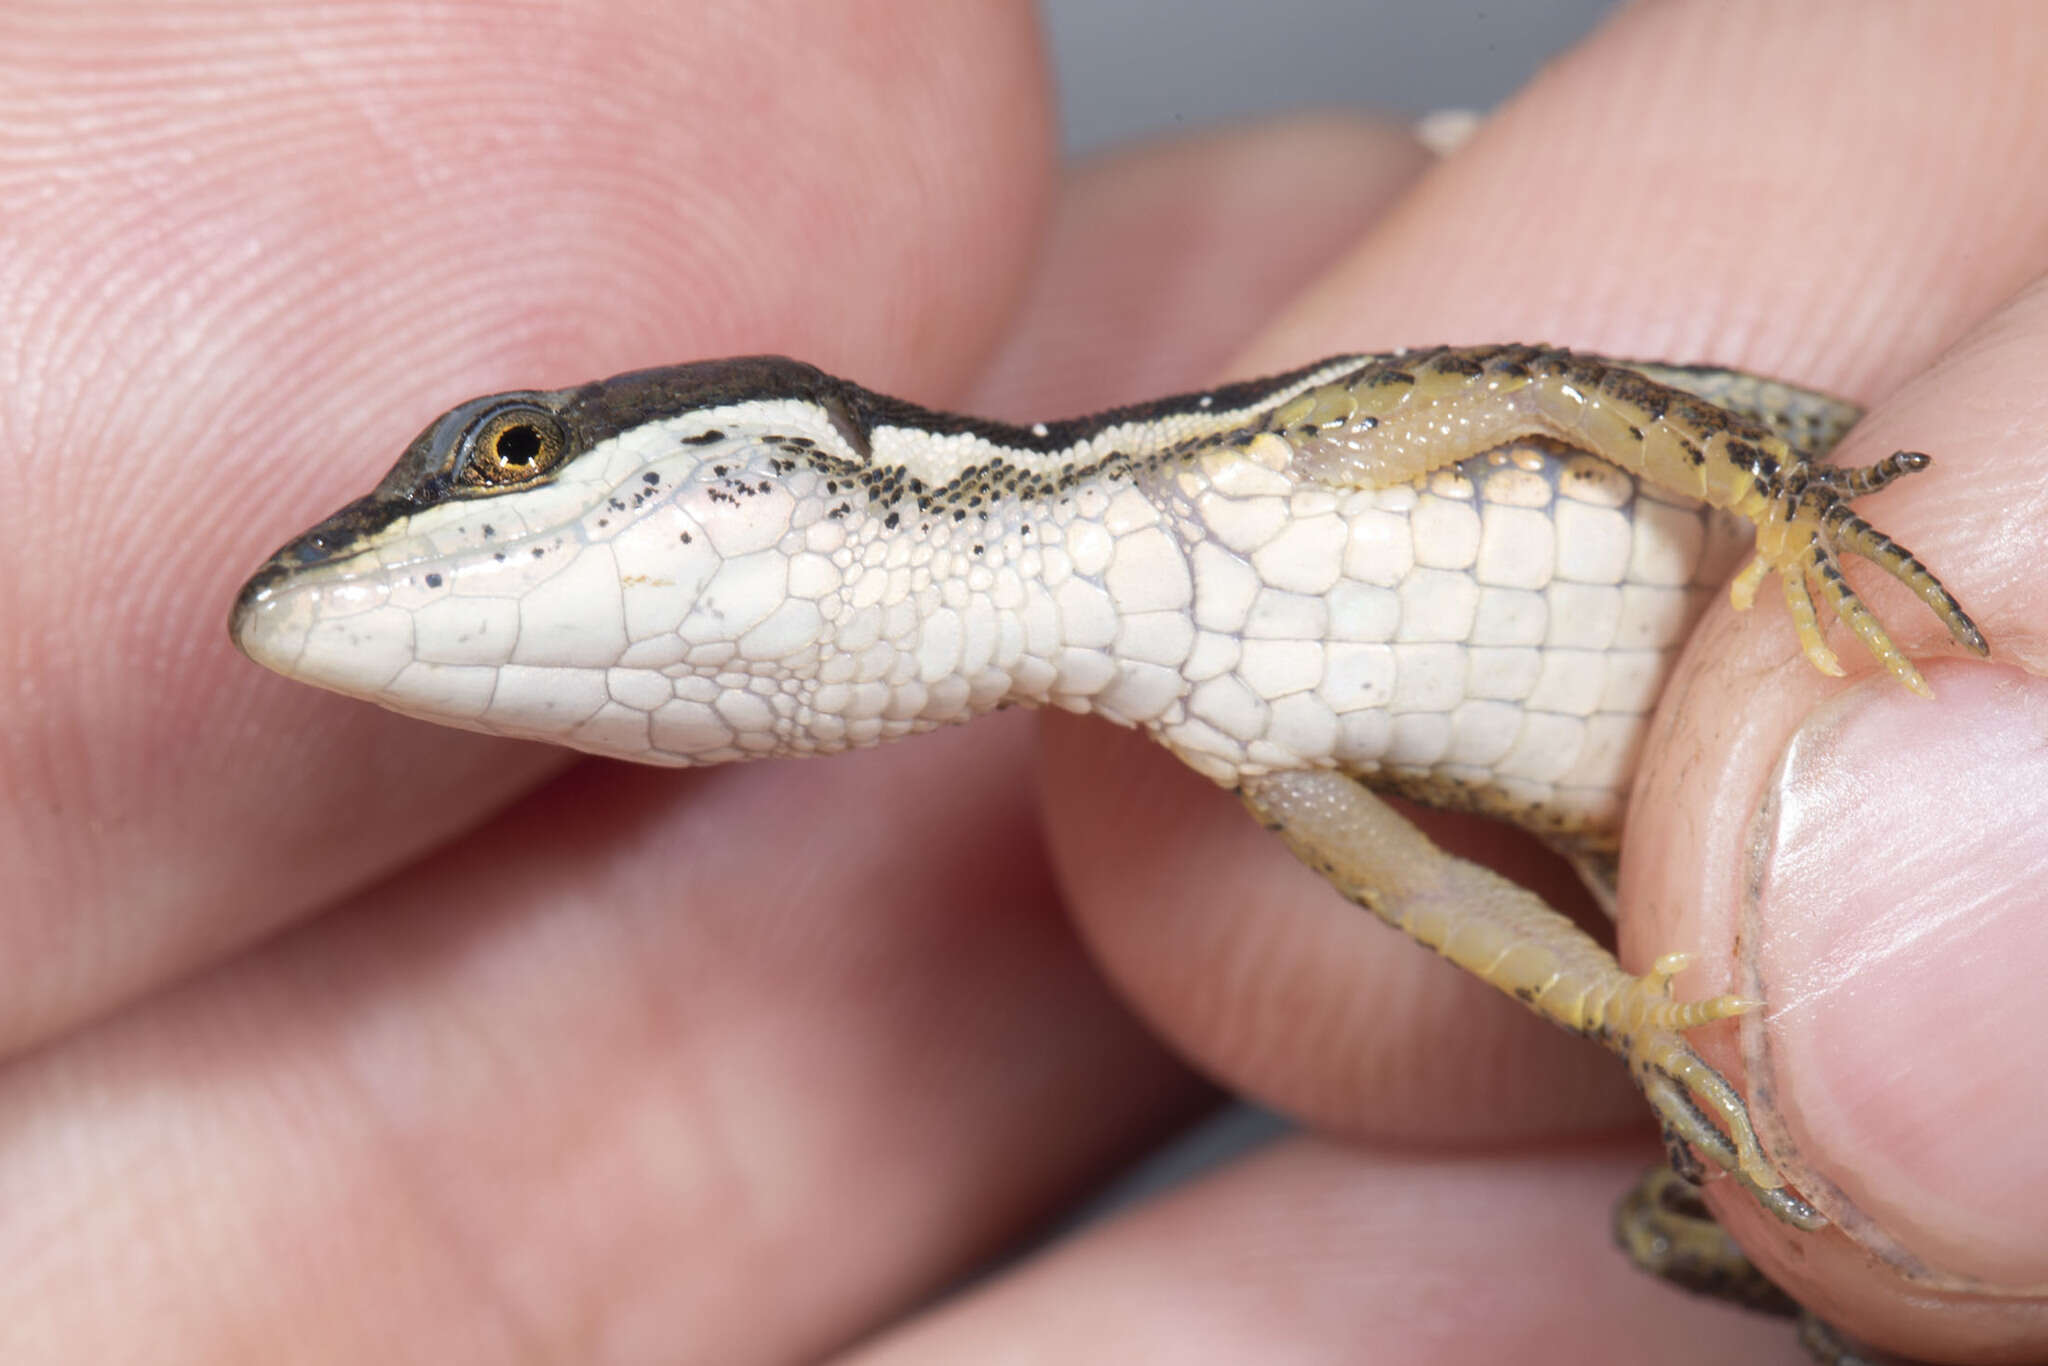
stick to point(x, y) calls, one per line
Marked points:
point(742, 1065)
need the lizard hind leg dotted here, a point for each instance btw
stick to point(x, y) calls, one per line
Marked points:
point(1510, 938)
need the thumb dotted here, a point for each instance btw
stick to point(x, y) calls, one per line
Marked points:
point(1880, 867)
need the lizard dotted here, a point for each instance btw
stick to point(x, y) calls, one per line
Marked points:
point(1456, 574)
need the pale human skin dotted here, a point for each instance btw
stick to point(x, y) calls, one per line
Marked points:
point(330, 1030)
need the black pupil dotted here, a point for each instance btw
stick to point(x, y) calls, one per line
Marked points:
point(518, 445)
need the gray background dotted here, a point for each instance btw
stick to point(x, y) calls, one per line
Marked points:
point(1132, 67)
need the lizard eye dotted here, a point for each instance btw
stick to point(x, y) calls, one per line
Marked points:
point(513, 445)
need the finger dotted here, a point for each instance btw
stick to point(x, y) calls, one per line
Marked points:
point(1740, 184)
point(1164, 256)
point(1896, 929)
point(601, 1083)
point(251, 254)
point(1307, 1253)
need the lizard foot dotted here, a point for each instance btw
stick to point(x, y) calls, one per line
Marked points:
point(1802, 533)
point(1705, 1120)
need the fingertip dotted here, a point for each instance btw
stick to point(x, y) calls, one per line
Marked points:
point(1897, 930)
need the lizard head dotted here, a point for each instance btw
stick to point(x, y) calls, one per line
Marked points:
point(636, 566)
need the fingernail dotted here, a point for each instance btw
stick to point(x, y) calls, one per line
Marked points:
point(1900, 935)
